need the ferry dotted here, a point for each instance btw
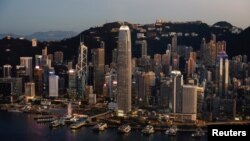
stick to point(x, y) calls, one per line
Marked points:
point(198, 133)
point(57, 123)
point(78, 124)
point(125, 128)
point(171, 131)
point(74, 119)
point(15, 110)
point(45, 120)
point(149, 129)
point(100, 126)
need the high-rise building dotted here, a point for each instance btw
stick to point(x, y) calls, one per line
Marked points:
point(27, 62)
point(11, 86)
point(38, 61)
point(175, 61)
point(174, 43)
point(165, 91)
point(166, 59)
point(191, 64)
point(38, 79)
point(144, 47)
point(222, 73)
point(53, 85)
point(189, 100)
point(98, 60)
point(30, 89)
point(7, 71)
point(58, 57)
point(175, 98)
point(82, 69)
point(124, 70)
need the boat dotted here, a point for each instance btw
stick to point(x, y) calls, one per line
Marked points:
point(45, 120)
point(171, 131)
point(100, 126)
point(78, 124)
point(149, 129)
point(74, 119)
point(125, 128)
point(14, 111)
point(198, 133)
point(57, 123)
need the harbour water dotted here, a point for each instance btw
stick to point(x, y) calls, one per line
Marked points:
point(23, 127)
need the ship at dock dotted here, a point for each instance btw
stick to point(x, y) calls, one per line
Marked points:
point(125, 128)
point(100, 126)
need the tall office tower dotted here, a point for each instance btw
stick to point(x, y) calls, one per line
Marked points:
point(174, 43)
point(38, 61)
point(124, 70)
point(165, 91)
point(72, 82)
point(111, 85)
point(175, 61)
point(210, 54)
point(34, 42)
point(189, 100)
point(145, 81)
point(53, 85)
point(144, 47)
point(175, 98)
point(50, 59)
point(222, 73)
point(7, 71)
point(38, 79)
point(27, 62)
point(166, 58)
point(58, 57)
point(82, 69)
point(30, 89)
point(44, 57)
point(221, 46)
point(98, 60)
point(200, 99)
point(203, 50)
point(191, 64)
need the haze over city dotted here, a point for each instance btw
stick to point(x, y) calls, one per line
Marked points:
point(26, 16)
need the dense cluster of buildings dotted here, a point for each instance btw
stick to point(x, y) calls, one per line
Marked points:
point(186, 84)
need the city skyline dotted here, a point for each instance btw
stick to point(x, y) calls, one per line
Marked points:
point(80, 15)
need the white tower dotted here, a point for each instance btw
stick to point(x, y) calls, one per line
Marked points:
point(82, 69)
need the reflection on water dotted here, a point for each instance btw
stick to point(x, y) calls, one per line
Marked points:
point(17, 127)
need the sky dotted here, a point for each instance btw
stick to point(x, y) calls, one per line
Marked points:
point(29, 16)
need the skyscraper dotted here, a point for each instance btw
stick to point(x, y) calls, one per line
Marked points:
point(124, 70)
point(175, 98)
point(82, 69)
point(7, 71)
point(53, 85)
point(98, 66)
point(222, 71)
point(58, 57)
point(27, 62)
point(174, 43)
